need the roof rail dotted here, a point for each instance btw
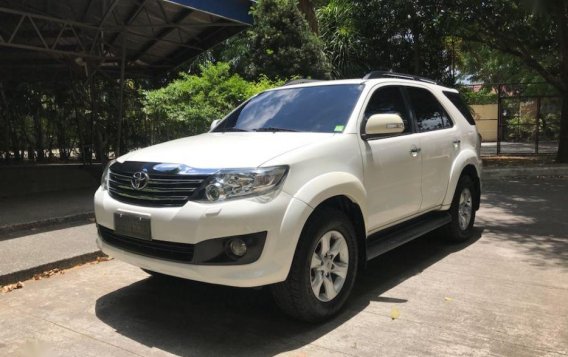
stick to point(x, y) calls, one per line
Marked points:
point(387, 74)
point(301, 81)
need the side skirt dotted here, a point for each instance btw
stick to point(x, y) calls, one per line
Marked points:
point(395, 236)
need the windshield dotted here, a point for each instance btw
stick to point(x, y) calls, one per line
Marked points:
point(323, 109)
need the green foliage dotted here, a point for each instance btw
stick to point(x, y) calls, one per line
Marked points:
point(493, 67)
point(520, 38)
point(399, 35)
point(520, 115)
point(494, 41)
point(484, 96)
point(279, 45)
point(192, 102)
point(342, 41)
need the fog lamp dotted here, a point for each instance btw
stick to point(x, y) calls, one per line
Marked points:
point(238, 247)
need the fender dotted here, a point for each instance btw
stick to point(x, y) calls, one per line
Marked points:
point(464, 158)
point(328, 185)
point(303, 203)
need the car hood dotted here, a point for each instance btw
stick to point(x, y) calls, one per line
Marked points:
point(225, 150)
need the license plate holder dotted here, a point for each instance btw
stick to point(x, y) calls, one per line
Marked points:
point(132, 225)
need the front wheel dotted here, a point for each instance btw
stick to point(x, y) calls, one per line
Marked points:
point(323, 270)
point(462, 211)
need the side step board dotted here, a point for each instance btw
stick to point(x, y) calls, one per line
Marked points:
point(392, 237)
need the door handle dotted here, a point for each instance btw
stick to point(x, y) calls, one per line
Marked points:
point(414, 150)
point(456, 143)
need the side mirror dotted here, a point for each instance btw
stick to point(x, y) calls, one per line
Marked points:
point(214, 123)
point(381, 124)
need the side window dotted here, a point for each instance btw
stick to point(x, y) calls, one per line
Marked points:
point(429, 112)
point(389, 100)
point(458, 101)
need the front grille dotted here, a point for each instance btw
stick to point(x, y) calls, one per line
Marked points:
point(179, 252)
point(162, 190)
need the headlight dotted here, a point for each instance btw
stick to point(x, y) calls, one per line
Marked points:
point(237, 183)
point(105, 176)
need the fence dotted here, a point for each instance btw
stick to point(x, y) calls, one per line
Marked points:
point(523, 119)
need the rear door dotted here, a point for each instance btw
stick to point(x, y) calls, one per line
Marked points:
point(439, 143)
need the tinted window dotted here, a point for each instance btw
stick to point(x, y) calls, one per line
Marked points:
point(458, 101)
point(310, 109)
point(429, 112)
point(388, 100)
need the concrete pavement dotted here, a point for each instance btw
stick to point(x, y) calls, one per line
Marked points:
point(503, 293)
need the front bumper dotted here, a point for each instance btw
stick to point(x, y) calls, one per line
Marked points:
point(280, 215)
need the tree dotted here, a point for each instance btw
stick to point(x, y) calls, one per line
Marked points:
point(534, 32)
point(342, 41)
point(281, 45)
point(400, 35)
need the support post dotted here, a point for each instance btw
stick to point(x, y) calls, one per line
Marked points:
point(499, 119)
point(537, 131)
point(121, 98)
point(94, 109)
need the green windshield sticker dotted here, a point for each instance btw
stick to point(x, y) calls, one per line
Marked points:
point(339, 128)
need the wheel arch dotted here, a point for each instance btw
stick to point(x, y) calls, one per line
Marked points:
point(467, 163)
point(344, 192)
point(353, 212)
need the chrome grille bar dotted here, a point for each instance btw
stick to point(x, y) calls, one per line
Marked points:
point(161, 190)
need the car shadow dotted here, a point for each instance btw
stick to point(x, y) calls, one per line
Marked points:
point(190, 318)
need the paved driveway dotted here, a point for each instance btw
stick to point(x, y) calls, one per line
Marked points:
point(503, 293)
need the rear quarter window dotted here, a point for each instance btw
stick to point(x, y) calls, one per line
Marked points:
point(459, 103)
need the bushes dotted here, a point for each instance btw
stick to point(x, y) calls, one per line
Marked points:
point(193, 101)
point(484, 96)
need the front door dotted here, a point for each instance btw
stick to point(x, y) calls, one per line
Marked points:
point(393, 166)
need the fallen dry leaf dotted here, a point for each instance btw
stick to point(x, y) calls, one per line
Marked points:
point(47, 274)
point(448, 299)
point(8, 288)
point(395, 313)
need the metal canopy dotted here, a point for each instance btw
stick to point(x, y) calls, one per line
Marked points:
point(51, 38)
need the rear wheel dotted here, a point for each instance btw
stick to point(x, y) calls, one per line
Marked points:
point(462, 211)
point(324, 268)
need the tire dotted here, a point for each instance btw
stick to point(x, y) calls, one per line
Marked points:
point(296, 296)
point(462, 211)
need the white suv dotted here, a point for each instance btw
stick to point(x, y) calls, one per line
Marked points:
point(297, 188)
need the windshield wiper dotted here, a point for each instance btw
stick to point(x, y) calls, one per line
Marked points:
point(272, 129)
point(224, 130)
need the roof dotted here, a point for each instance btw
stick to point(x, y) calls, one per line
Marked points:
point(54, 37)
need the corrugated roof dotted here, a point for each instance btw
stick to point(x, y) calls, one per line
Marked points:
point(54, 37)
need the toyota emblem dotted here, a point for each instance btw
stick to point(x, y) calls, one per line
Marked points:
point(139, 180)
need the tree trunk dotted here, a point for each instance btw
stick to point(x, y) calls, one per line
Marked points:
point(562, 18)
point(562, 155)
point(39, 145)
point(307, 8)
